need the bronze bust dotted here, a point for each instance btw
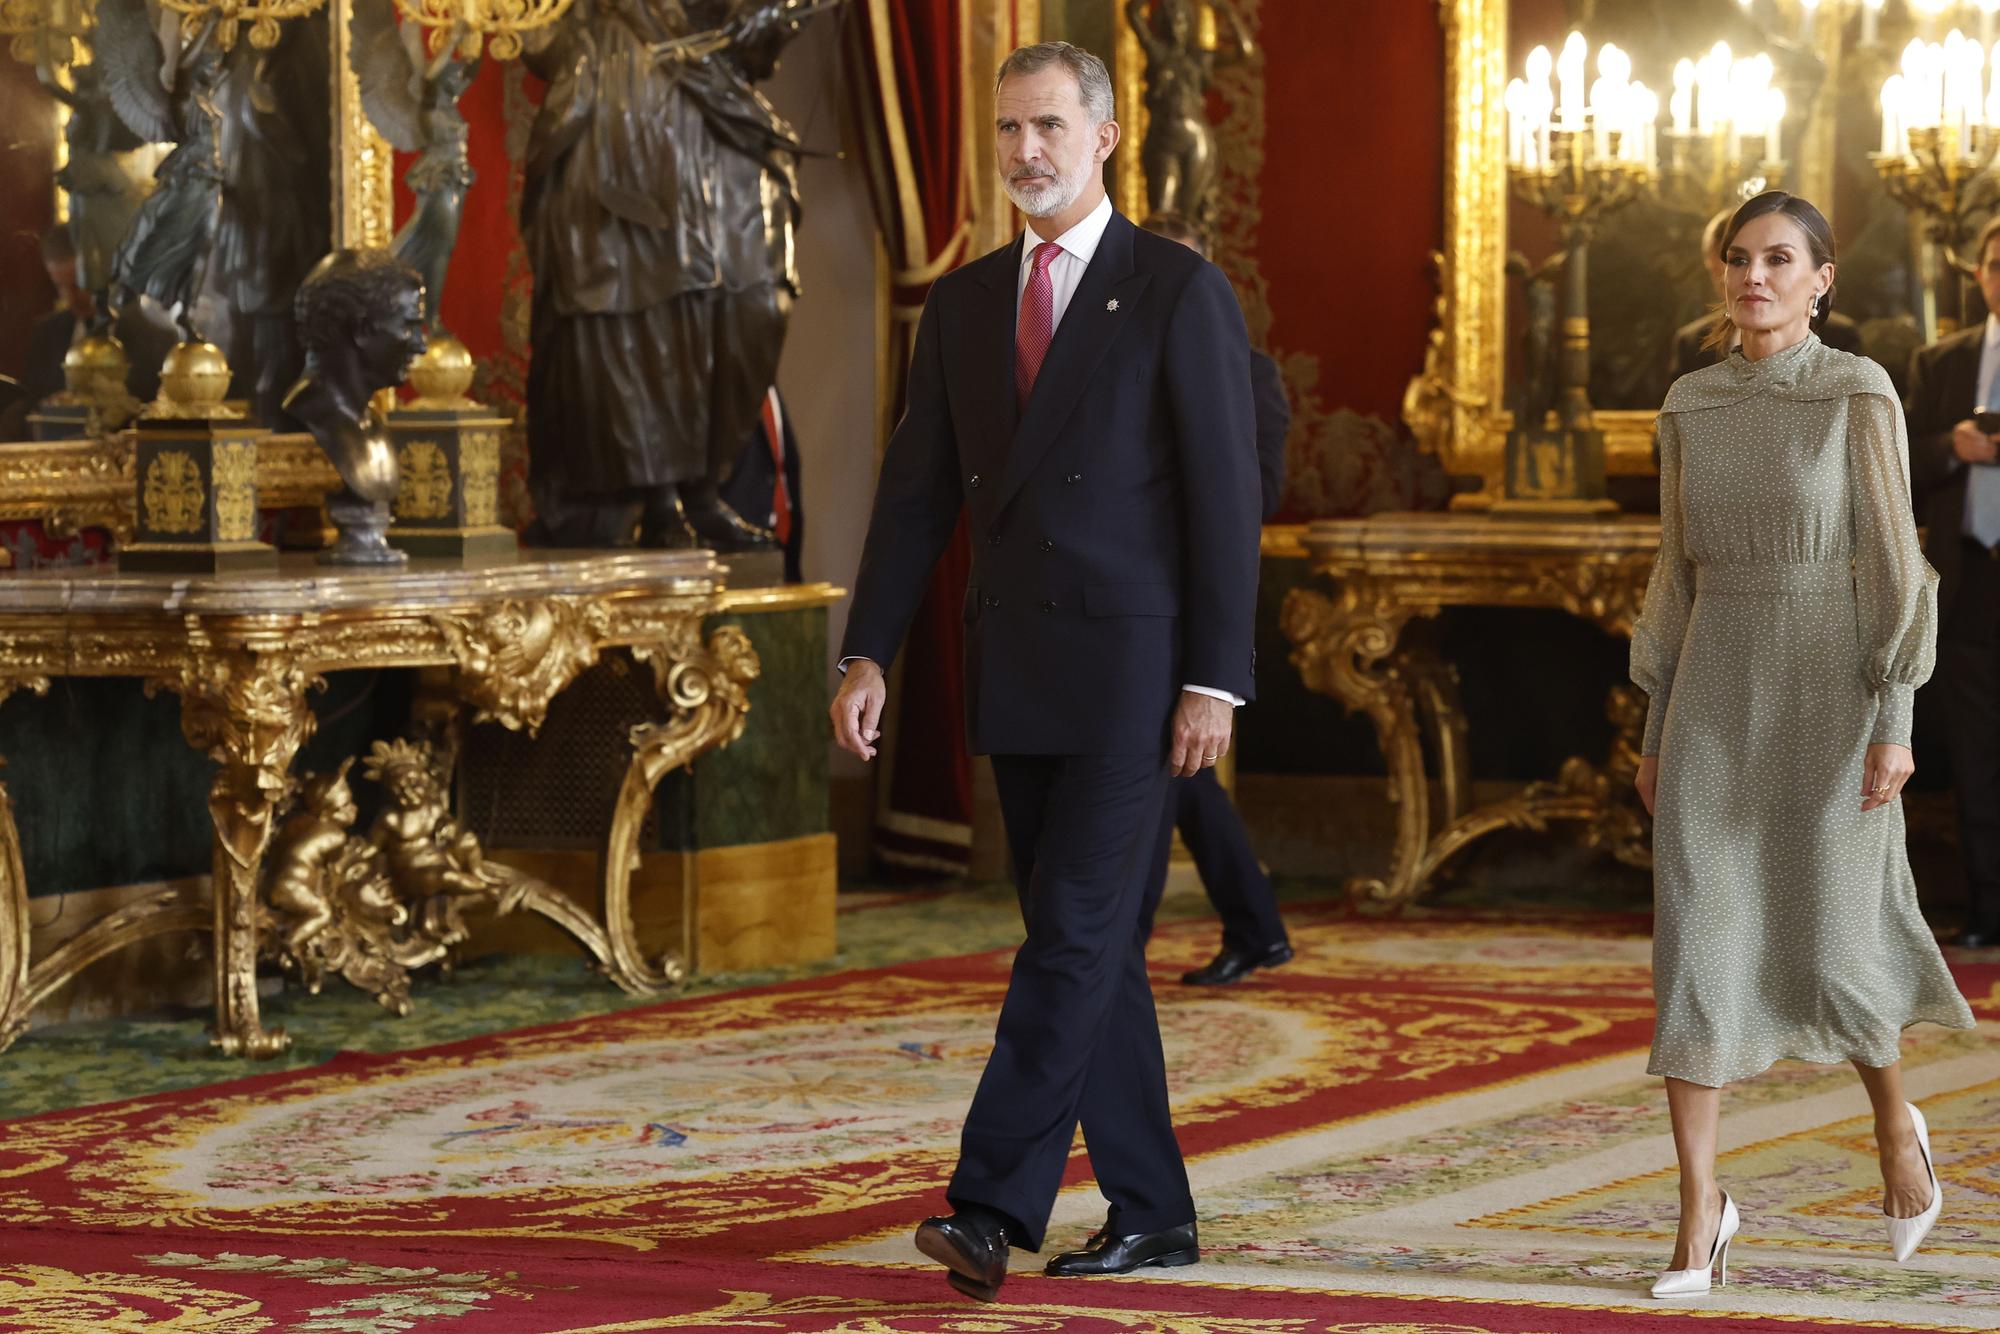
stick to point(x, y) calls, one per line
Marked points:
point(361, 317)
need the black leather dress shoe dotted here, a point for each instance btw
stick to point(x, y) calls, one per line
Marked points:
point(1234, 965)
point(1977, 940)
point(972, 1244)
point(1121, 1255)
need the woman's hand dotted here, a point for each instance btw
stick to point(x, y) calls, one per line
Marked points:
point(1647, 780)
point(1883, 774)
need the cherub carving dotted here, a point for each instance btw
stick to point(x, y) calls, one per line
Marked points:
point(163, 85)
point(412, 98)
point(431, 861)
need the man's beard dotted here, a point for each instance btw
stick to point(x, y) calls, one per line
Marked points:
point(1045, 201)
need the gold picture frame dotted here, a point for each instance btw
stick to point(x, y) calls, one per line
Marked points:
point(1454, 406)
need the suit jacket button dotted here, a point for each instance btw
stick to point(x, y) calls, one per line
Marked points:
point(993, 539)
point(992, 601)
point(1072, 479)
point(1048, 545)
point(973, 481)
point(1048, 606)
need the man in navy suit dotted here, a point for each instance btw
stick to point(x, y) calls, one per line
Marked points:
point(1253, 934)
point(1083, 396)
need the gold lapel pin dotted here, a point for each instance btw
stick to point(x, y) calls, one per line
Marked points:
point(1112, 304)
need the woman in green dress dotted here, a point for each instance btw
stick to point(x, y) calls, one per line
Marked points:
point(1789, 620)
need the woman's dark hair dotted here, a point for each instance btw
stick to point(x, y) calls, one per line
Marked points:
point(1819, 239)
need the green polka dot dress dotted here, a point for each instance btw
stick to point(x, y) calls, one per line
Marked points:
point(1788, 623)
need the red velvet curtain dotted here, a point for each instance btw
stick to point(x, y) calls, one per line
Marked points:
point(912, 56)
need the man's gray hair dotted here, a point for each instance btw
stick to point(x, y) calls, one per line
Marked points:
point(1093, 81)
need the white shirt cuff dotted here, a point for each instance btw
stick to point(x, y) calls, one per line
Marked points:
point(1235, 700)
point(841, 666)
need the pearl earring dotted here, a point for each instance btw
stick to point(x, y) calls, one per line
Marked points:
point(1816, 301)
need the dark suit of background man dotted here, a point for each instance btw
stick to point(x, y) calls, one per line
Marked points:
point(1253, 934)
point(1957, 492)
point(1084, 396)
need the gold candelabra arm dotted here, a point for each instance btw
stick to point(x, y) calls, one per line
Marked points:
point(498, 25)
point(229, 16)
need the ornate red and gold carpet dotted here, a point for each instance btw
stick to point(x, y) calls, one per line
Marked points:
point(1432, 1126)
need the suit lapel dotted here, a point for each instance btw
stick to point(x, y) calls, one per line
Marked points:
point(1098, 312)
point(988, 331)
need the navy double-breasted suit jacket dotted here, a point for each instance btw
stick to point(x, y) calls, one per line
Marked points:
point(1114, 520)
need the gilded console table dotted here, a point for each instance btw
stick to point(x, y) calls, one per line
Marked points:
point(1348, 639)
point(244, 652)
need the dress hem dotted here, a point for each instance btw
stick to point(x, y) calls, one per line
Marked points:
point(1653, 1067)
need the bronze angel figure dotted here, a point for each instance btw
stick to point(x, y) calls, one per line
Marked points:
point(162, 83)
point(103, 194)
point(412, 98)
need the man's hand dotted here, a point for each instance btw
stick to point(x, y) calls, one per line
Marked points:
point(1972, 444)
point(1202, 725)
point(857, 708)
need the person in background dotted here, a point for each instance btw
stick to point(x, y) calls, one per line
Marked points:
point(145, 339)
point(1253, 933)
point(763, 485)
point(1956, 490)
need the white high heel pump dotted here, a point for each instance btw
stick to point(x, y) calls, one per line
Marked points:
point(1906, 1234)
point(1685, 1282)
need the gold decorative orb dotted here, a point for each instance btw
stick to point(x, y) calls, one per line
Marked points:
point(443, 374)
point(95, 363)
point(194, 379)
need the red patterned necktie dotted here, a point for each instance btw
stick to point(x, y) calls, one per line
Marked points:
point(1038, 323)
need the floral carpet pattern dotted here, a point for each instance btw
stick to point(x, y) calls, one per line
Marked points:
point(1427, 1125)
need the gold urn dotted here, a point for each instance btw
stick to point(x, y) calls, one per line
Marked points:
point(194, 381)
point(94, 368)
point(443, 375)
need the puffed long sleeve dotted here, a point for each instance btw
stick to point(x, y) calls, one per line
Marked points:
point(1895, 589)
point(1663, 620)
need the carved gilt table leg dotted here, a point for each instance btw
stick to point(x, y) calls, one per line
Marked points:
point(15, 1001)
point(1602, 800)
point(1345, 647)
point(706, 691)
point(1435, 683)
point(247, 711)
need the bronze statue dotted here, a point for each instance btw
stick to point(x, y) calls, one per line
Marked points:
point(659, 211)
point(412, 99)
point(103, 195)
point(167, 95)
point(276, 221)
point(1179, 151)
point(361, 314)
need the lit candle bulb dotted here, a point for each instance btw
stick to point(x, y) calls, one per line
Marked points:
point(1807, 8)
point(1569, 76)
point(1648, 103)
point(1540, 100)
point(1892, 106)
point(1871, 14)
point(1681, 102)
point(1774, 115)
